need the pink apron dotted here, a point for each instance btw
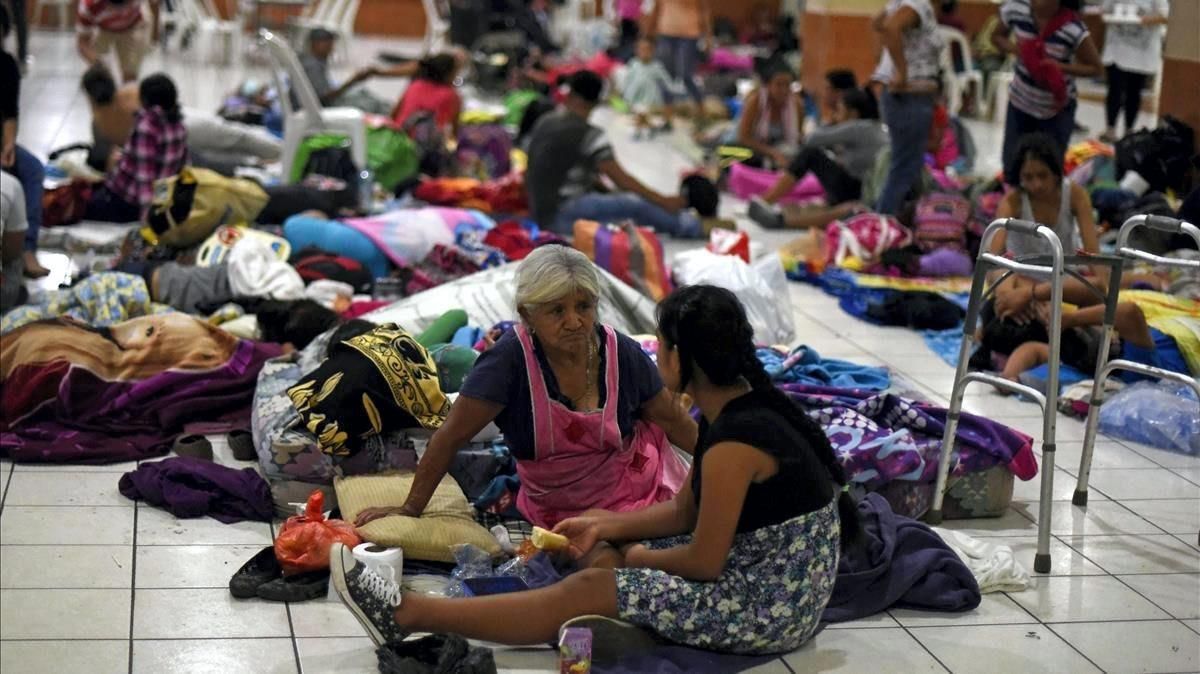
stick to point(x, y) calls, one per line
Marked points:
point(581, 460)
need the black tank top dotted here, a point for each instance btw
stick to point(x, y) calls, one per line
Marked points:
point(802, 483)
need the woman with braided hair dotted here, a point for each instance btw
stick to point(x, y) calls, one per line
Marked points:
point(743, 559)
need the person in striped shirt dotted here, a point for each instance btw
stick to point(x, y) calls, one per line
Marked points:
point(1052, 47)
point(118, 25)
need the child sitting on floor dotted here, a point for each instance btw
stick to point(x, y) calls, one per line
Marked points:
point(433, 91)
point(755, 531)
point(645, 81)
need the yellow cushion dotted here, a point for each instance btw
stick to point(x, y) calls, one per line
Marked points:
point(448, 519)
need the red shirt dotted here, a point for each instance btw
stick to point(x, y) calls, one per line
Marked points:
point(156, 149)
point(424, 95)
point(104, 15)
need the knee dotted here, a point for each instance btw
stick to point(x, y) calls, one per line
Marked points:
point(587, 581)
point(1129, 313)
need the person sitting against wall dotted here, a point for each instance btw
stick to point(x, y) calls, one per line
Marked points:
point(567, 154)
point(583, 409)
point(213, 142)
point(839, 155)
point(755, 531)
point(156, 149)
point(772, 120)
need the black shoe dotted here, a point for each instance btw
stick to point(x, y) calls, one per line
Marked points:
point(298, 587)
point(195, 446)
point(435, 653)
point(766, 215)
point(260, 570)
point(242, 444)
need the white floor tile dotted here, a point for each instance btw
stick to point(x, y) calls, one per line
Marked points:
point(1064, 561)
point(980, 399)
point(1138, 553)
point(324, 618)
point(1193, 625)
point(1012, 523)
point(66, 566)
point(852, 651)
point(1105, 454)
point(196, 566)
point(1080, 598)
point(1064, 487)
point(30, 488)
point(158, 527)
point(121, 467)
point(1135, 646)
point(1190, 474)
point(1176, 593)
point(1002, 648)
point(1176, 516)
point(1099, 517)
point(1156, 483)
point(64, 614)
point(215, 656)
point(97, 657)
point(205, 614)
point(1164, 457)
point(526, 660)
point(337, 655)
point(881, 619)
point(994, 609)
point(66, 525)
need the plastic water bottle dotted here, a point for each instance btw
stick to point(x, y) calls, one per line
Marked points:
point(366, 191)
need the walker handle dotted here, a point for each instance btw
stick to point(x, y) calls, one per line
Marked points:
point(1022, 226)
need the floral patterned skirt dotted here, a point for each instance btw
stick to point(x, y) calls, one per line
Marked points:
point(768, 599)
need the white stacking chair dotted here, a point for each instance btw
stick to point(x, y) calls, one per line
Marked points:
point(311, 117)
point(436, 28)
point(217, 39)
point(958, 81)
point(344, 28)
point(322, 14)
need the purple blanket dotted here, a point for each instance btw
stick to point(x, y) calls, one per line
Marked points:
point(190, 487)
point(882, 437)
point(91, 420)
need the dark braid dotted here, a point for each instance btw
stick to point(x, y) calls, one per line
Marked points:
point(708, 328)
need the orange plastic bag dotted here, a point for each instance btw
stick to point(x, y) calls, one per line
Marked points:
point(304, 541)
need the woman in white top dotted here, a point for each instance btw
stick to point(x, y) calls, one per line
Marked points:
point(1132, 53)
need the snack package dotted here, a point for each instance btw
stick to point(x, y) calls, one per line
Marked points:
point(575, 651)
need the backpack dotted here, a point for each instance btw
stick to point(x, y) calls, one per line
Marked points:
point(941, 221)
point(189, 207)
point(392, 156)
point(864, 236)
point(314, 264)
point(483, 151)
point(326, 154)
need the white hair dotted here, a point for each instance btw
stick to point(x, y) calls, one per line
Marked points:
point(551, 272)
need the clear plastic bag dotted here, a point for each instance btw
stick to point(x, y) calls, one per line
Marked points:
point(1159, 414)
point(761, 286)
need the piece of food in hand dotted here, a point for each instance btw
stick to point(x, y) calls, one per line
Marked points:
point(548, 540)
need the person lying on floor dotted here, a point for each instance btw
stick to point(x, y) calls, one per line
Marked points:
point(1043, 195)
point(566, 156)
point(755, 531)
point(583, 410)
point(839, 155)
point(1140, 343)
point(213, 142)
point(157, 148)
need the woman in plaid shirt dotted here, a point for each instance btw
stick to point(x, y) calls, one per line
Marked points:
point(156, 149)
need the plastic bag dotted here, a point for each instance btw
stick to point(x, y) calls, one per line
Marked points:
point(304, 540)
point(1157, 414)
point(762, 288)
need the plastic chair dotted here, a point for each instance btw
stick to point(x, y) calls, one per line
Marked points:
point(1103, 369)
point(323, 14)
point(436, 28)
point(217, 38)
point(958, 80)
point(311, 118)
point(997, 94)
point(64, 9)
point(1052, 268)
point(344, 27)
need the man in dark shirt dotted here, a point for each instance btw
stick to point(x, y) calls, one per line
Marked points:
point(566, 156)
point(14, 158)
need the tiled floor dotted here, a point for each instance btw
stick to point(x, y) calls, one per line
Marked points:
point(92, 582)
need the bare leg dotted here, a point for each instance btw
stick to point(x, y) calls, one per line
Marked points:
point(1024, 357)
point(782, 186)
point(1130, 322)
point(520, 618)
point(816, 217)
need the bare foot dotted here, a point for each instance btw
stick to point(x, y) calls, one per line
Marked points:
point(34, 269)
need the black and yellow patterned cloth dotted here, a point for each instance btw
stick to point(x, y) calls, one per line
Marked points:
point(379, 381)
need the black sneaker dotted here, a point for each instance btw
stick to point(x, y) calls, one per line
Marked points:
point(242, 445)
point(613, 639)
point(297, 587)
point(369, 596)
point(260, 570)
point(770, 217)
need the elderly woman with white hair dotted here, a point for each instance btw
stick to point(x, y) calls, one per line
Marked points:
point(583, 409)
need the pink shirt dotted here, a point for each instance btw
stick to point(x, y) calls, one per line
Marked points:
point(423, 95)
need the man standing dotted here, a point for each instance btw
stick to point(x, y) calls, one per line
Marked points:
point(117, 25)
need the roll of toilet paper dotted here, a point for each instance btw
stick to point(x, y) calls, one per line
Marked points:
point(377, 556)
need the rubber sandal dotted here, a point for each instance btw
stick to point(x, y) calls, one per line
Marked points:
point(194, 446)
point(242, 444)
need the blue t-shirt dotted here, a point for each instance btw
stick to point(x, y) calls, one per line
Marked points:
point(499, 376)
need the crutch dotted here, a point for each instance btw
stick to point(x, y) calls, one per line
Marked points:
point(1103, 368)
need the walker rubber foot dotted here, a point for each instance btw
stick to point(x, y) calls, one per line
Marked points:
point(1041, 563)
point(1080, 498)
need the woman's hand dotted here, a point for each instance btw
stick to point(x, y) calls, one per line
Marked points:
point(583, 532)
point(780, 159)
point(372, 514)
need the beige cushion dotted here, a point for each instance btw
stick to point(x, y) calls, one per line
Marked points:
point(448, 519)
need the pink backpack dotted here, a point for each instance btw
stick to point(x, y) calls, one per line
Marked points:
point(864, 236)
point(941, 221)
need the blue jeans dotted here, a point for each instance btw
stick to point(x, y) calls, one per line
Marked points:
point(680, 56)
point(908, 118)
point(608, 208)
point(29, 170)
point(1018, 124)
